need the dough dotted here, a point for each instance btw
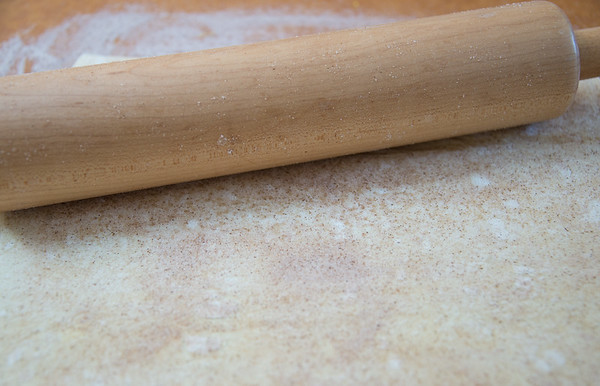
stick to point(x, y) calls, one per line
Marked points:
point(471, 260)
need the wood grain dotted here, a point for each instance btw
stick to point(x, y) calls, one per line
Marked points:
point(92, 131)
point(588, 41)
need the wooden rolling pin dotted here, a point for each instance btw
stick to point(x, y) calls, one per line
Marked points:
point(91, 131)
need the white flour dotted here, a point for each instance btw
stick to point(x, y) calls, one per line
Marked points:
point(139, 32)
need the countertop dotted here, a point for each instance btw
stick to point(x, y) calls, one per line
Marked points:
point(469, 260)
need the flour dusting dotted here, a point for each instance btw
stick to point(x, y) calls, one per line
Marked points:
point(479, 180)
point(593, 213)
point(139, 32)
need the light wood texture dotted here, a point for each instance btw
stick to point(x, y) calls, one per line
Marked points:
point(79, 133)
point(588, 41)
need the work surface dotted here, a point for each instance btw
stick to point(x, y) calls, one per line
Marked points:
point(471, 260)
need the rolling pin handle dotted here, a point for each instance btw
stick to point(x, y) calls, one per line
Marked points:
point(588, 41)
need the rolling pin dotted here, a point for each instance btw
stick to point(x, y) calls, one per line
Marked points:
point(84, 132)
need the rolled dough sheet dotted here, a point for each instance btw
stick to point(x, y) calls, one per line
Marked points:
point(467, 260)
point(470, 260)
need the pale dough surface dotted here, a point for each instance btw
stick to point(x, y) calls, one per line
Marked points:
point(470, 260)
